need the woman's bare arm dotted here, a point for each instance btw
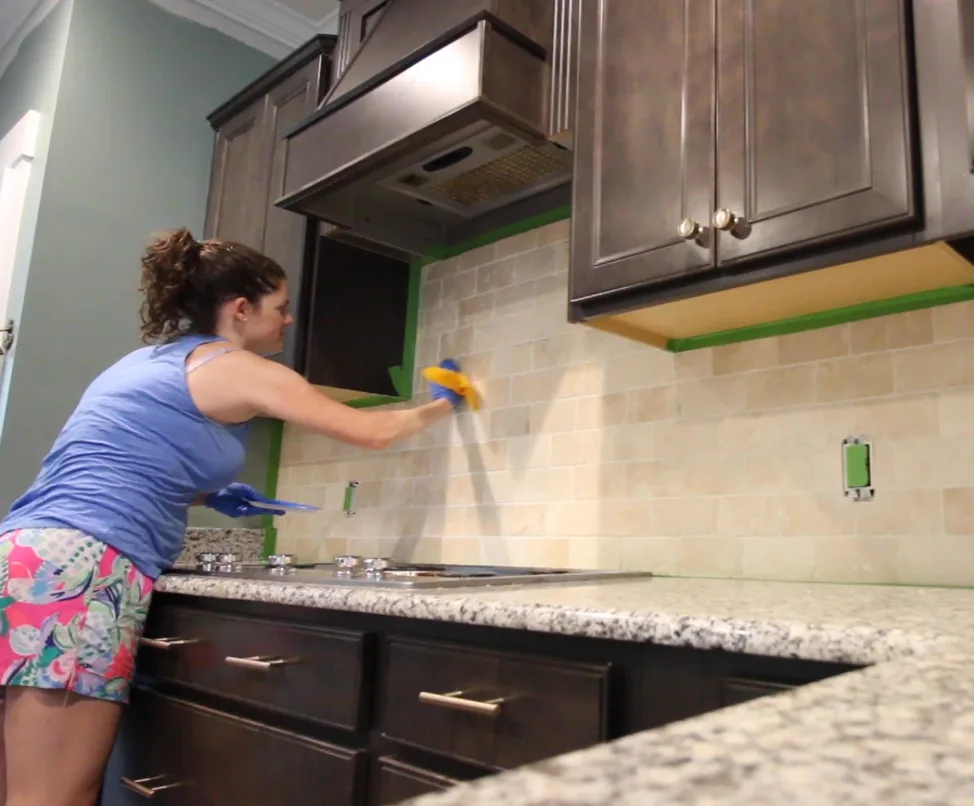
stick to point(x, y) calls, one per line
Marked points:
point(271, 390)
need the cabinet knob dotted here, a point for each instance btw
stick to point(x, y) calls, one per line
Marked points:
point(724, 219)
point(689, 229)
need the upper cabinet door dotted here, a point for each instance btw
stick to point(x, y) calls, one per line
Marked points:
point(285, 236)
point(814, 130)
point(238, 182)
point(643, 185)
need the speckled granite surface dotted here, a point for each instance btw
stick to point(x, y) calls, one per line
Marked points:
point(900, 732)
point(248, 543)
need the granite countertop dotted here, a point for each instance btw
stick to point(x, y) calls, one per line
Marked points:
point(899, 732)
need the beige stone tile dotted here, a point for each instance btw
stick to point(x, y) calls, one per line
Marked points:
point(524, 519)
point(785, 558)
point(937, 368)
point(579, 380)
point(657, 555)
point(511, 422)
point(674, 440)
point(477, 257)
point(712, 397)
point(512, 360)
point(543, 262)
point(533, 387)
point(955, 410)
point(551, 290)
point(711, 557)
point(957, 461)
point(440, 269)
point(812, 471)
point(854, 378)
point(899, 418)
point(603, 481)
point(629, 443)
point(749, 516)
point(458, 286)
point(575, 519)
point(694, 365)
point(649, 405)
point(620, 518)
point(496, 392)
point(947, 560)
point(461, 521)
point(494, 276)
point(908, 464)
point(543, 484)
point(603, 411)
point(781, 388)
point(541, 551)
point(951, 322)
point(639, 370)
point(555, 351)
point(554, 417)
point(821, 514)
point(745, 356)
point(471, 311)
point(909, 329)
point(959, 511)
point(576, 448)
point(814, 345)
point(554, 233)
point(652, 479)
point(684, 516)
point(529, 452)
point(856, 559)
point(461, 550)
point(516, 244)
point(717, 474)
point(515, 299)
point(600, 553)
point(906, 512)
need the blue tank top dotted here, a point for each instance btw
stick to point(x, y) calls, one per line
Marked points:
point(132, 458)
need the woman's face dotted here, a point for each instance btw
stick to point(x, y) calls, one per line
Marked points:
point(266, 322)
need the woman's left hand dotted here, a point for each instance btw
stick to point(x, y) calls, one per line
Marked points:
point(238, 501)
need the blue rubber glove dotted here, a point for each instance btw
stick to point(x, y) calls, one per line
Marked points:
point(441, 392)
point(238, 501)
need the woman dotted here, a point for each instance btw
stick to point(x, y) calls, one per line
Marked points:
point(161, 430)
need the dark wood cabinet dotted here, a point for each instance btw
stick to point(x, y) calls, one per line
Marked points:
point(248, 168)
point(356, 22)
point(198, 756)
point(814, 123)
point(349, 709)
point(397, 782)
point(644, 143)
point(712, 133)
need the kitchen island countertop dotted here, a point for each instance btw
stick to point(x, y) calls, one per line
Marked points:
point(901, 731)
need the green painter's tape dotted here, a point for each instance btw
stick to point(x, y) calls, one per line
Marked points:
point(815, 321)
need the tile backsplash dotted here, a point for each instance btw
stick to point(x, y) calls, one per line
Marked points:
point(596, 451)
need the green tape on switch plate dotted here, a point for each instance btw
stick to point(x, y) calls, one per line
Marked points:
point(857, 473)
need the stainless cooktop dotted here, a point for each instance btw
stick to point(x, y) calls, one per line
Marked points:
point(381, 572)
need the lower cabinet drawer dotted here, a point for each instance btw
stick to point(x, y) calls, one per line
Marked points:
point(194, 756)
point(736, 691)
point(490, 708)
point(309, 673)
point(397, 781)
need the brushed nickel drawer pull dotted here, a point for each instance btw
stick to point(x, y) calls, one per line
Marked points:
point(457, 702)
point(167, 643)
point(146, 787)
point(258, 662)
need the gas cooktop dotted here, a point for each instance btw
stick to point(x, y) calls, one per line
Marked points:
point(382, 572)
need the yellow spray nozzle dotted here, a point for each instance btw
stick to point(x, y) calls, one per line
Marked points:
point(454, 381)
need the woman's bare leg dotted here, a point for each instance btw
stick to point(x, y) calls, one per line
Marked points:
point(43, 726)
point(3, 760)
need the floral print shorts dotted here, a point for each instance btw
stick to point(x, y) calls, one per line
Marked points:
point(72, 610)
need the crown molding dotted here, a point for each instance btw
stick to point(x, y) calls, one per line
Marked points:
point(262, 24)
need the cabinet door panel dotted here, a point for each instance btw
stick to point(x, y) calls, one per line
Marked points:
point(238, 183)
point(287, 233)
point(814, 123)
point(644, 142)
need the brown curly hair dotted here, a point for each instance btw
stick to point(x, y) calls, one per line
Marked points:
point(185, 281)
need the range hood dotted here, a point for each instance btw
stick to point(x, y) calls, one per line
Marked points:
point(439, 126)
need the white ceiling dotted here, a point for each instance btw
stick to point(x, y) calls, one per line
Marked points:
point(274, 26)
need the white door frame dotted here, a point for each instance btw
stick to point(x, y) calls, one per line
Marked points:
point(18, 149)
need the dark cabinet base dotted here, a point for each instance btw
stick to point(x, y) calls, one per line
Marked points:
point(500, 699)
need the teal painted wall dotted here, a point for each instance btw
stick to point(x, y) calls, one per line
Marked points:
point(129, 155)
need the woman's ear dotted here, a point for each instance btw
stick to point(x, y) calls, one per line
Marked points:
point(241, 309)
